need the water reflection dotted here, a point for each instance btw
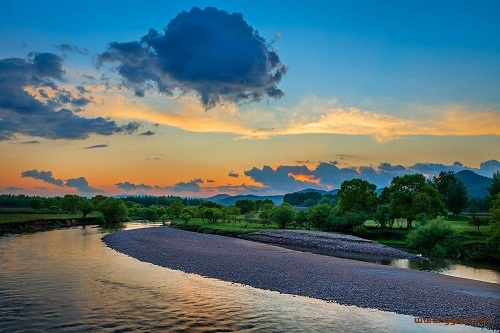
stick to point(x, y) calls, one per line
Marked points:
point(450, 267)
point(69, 281)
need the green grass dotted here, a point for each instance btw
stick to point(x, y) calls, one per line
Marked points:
point(221, 228)
point(464, 229)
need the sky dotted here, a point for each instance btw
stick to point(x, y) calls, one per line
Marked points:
point(199, 98)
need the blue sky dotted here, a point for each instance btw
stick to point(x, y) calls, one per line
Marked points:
point(366, 83)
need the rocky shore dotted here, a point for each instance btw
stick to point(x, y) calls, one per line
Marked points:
point(344, 281)
point(328, 243)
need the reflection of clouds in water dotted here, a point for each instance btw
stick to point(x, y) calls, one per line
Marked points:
point(446, 267)
point(480, 274)
point(92, 285)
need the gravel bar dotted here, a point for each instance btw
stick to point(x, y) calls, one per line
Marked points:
point(344, 281)
point(328, 243)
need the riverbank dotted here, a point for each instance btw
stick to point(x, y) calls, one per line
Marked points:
point(344, 281)
point(45, 224)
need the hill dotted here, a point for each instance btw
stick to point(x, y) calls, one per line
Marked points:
point(477, 185)
point(228, 200)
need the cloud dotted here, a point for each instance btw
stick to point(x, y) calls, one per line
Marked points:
point(211, 52)
point(311, 116)
point(148, 133)
point(126, 186)
point(96, 146)
point(68, 48)
point(45, 176)
point(82, 185)
point(328, 176)
point(13, 188)
point(31, 142)
point(489, 167)
point(210, 181)
point(233, 174)
point(281, 178)
point(192, 186)
point(32, 104)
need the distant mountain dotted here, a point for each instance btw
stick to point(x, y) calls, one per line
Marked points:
point(218, 197)
point(319, 191)
point(312, 190)
point(228, 200)
point(477, 185)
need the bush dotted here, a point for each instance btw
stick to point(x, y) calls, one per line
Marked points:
point(426, 237)
point(348, 221)
point(438, 251)
point(360, 231)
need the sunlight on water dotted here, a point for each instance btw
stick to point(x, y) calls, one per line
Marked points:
point(447, 267)
point(69, 281)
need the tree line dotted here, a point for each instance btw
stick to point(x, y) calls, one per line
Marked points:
point(408, 198)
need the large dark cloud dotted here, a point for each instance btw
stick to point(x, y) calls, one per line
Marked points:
point(327, 175)
point(82, 185)
point(45, 176)
point(282, 178)
point(47, 117)
point(214, 53)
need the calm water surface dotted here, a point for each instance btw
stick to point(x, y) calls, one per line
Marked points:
point(69, 281)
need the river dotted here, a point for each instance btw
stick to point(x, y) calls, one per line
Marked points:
point(69, 281)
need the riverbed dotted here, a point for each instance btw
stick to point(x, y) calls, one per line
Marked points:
point(70, 281)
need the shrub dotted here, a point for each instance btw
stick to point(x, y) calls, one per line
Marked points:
point(360, 231)
point(348, 221)
point(426, 237)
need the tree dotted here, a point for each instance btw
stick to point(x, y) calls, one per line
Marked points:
point(320, 216)
point(384, 216)
point(452, 190)
point(282, 215)
point(456, 197)
point(114, 210)
point(357, 195)
point(233, 212)
point(411, 197)
point(36, 203)
point(85, 206)
point(477, 221)
point(186, 214)
point(299, 198)
point(265, 213)
point(70, 203)
point(494, 239)
point(212, 214)
point(245, 205)
point(300, 219)
point(346, 222)
point(51, 203)
point(257, 205)
point(176, 208)
point(97, 200)
point(494, 188)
